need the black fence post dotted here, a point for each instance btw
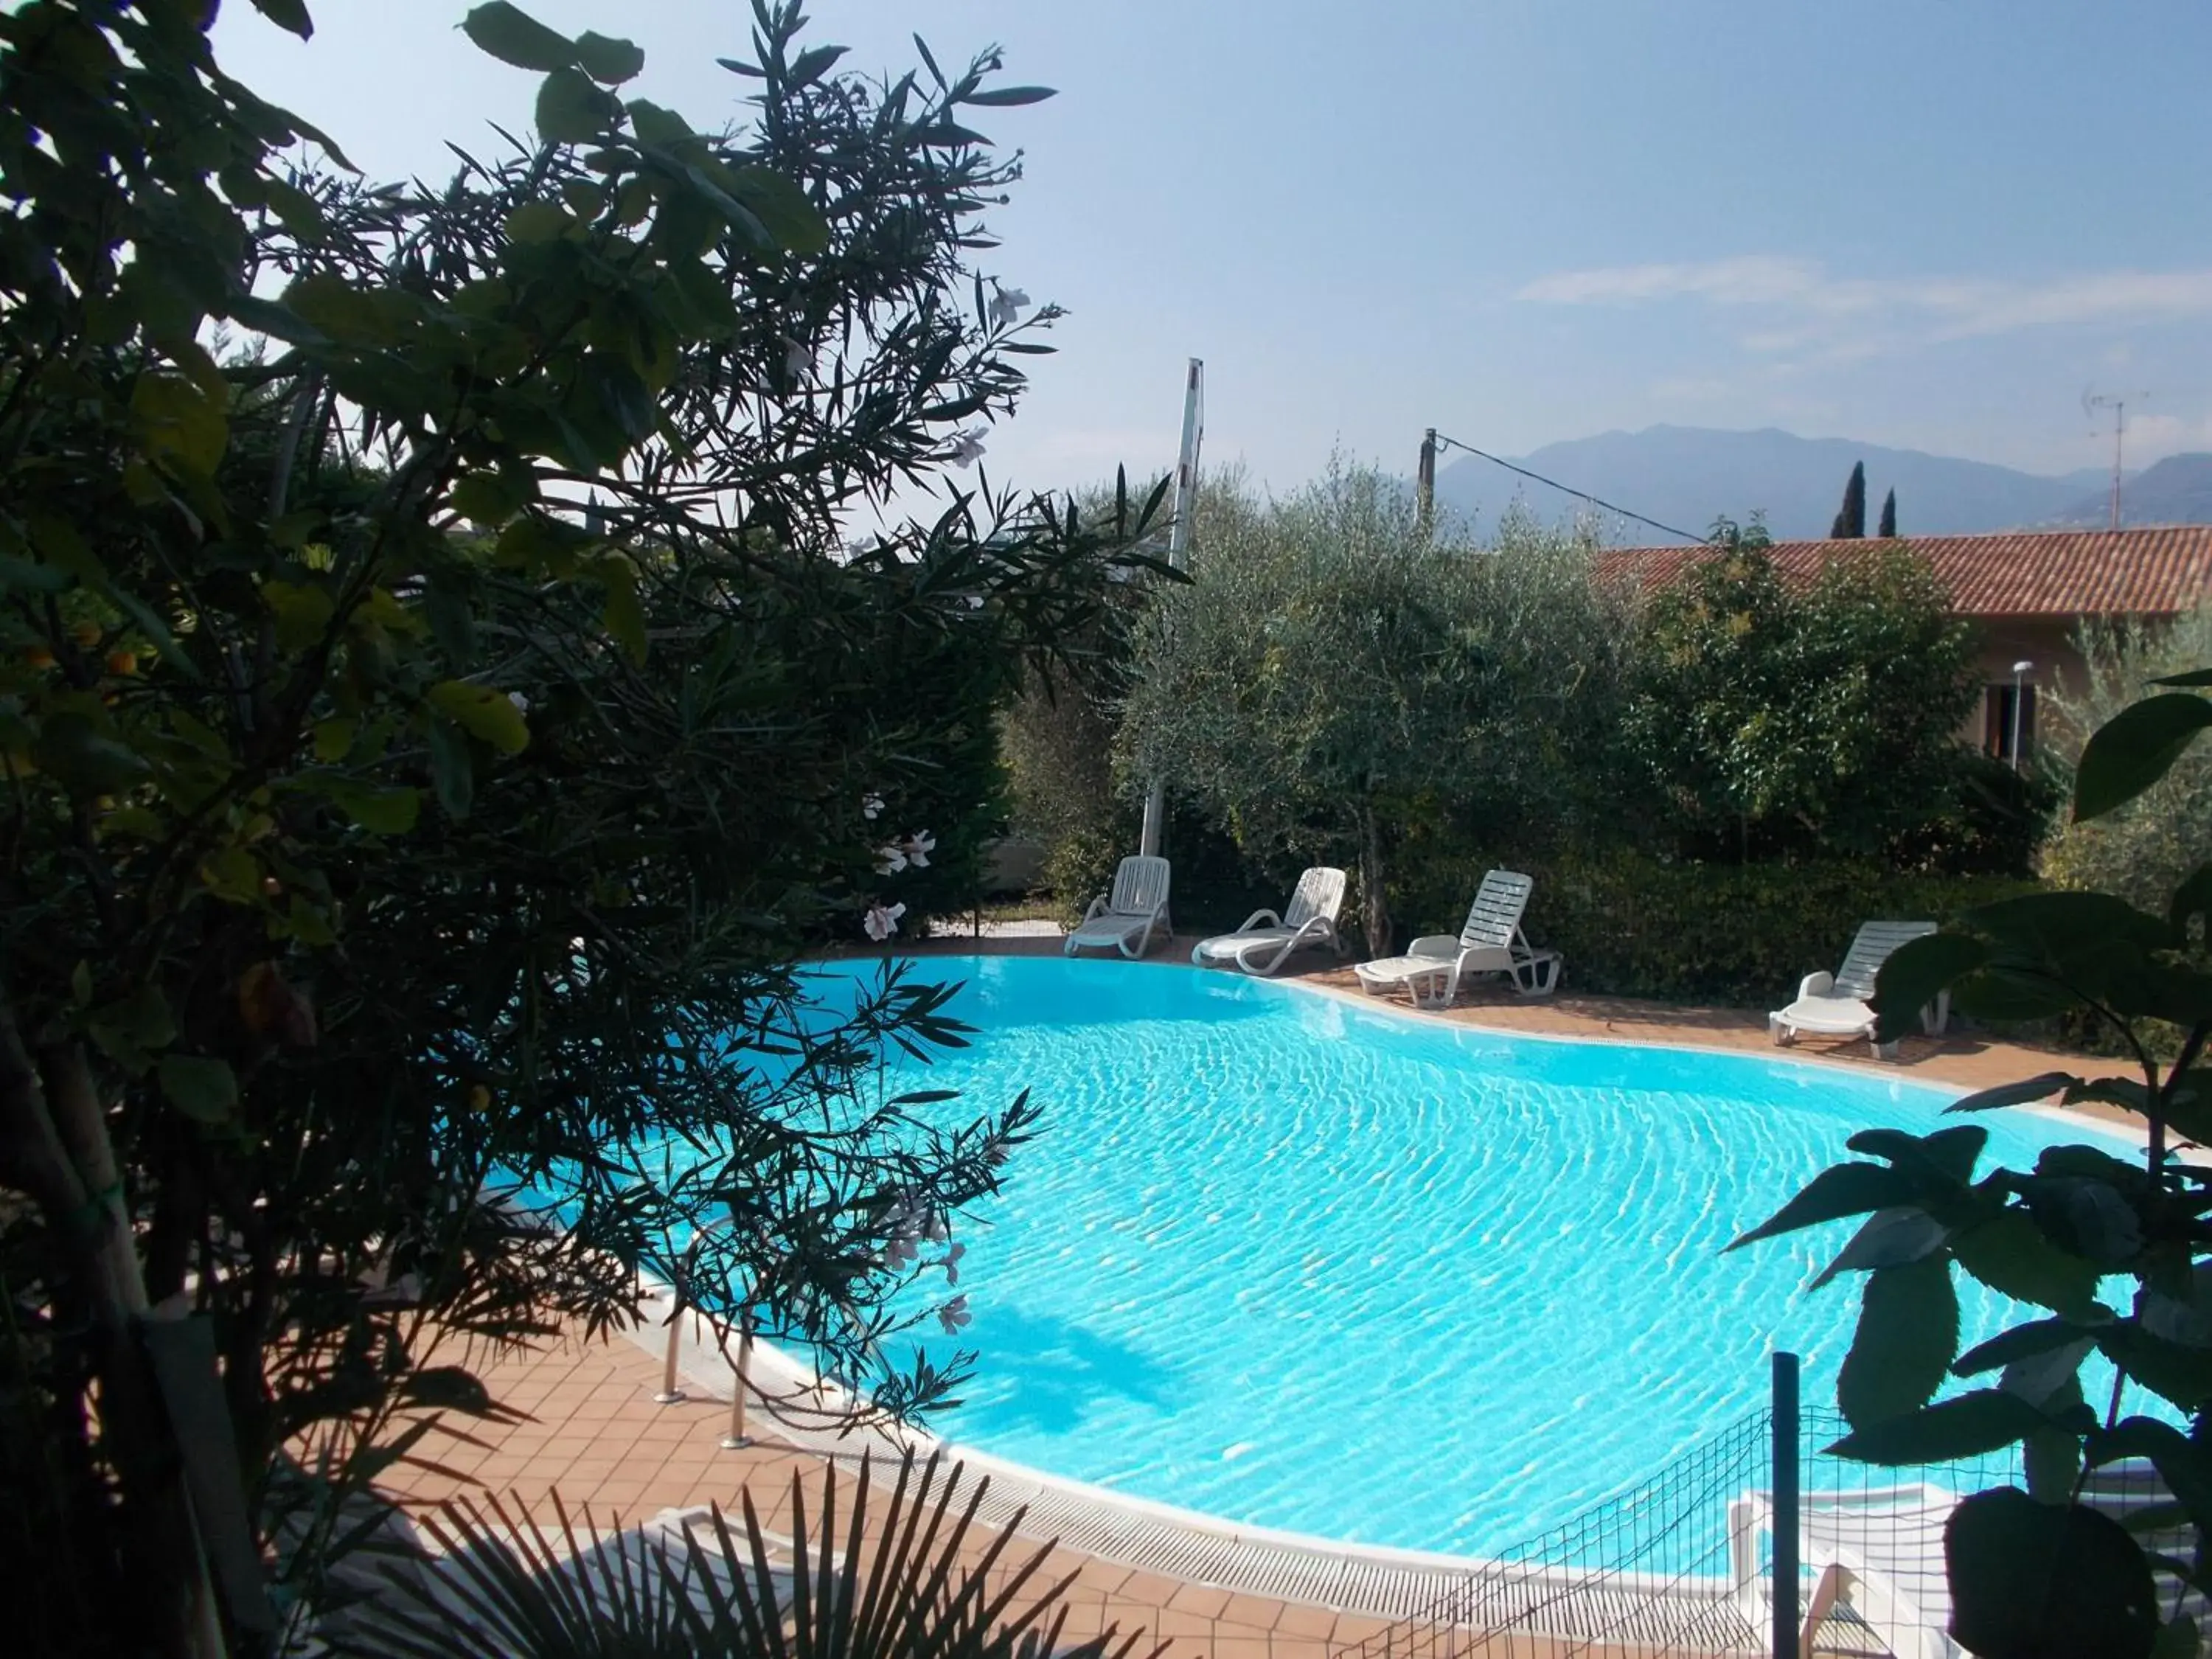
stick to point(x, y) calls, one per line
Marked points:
point(1788, 1507)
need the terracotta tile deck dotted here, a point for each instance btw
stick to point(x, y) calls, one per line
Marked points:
point(593, 1434)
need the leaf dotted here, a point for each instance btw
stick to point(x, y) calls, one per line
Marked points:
point(2010, 1254)
point(73, 750)
point(1889, 1238)
point(2029, 1578)
point(571, 109)
point(333, 739)
point(203, 1089)
point(512, 36)
point(132, 1030)
point(179, 424)
point(1840, 1190)
point(392, 811)
point(288, 15)
point(781, 205)
point(538, 221)
point(1908, 1330)
point(1010, 97)
point(2133, 749)
point(1913, 975)
point(491, 498)
point(2038, 1336)
point(1946, 1157)
point(483, 713)
point(624, 616)
point(812, 65)
point(2015, 1094)
point(334, 308)
point(2172, 1370)
point(453, 769)
point(607, 60)
point(302, 612)
point(1967, 1426)
point(656, 125)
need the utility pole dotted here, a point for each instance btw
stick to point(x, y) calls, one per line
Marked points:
point(1425, 494)
point(1186, 502)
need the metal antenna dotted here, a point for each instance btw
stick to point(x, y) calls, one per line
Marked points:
point(2091, 403)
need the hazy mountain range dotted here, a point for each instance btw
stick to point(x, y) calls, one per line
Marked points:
point(1686, 476)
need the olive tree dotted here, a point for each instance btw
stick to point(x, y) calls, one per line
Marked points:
point(440, 701)
point(1331, 675)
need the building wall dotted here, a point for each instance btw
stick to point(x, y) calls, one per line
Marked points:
point(2046, 641)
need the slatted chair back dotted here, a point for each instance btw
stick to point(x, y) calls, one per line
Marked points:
point(1875, 943)
point(1140, 886)
point(1494, 918)
point(1319, 894)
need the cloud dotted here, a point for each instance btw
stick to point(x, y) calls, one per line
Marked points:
point(1804, 305)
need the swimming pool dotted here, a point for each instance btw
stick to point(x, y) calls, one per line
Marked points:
point(1304, 1264)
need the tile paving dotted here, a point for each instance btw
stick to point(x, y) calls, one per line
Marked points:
point(586, 1427)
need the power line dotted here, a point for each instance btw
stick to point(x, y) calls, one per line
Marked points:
point(1580, 495)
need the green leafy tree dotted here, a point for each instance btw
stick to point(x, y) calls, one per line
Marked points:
point(1887, 529)
point(2038, 1572)
point(1850, 517)
point(1780, 722)
point(1331, 677)
point(432, 725)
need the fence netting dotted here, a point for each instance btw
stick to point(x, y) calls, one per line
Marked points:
point(1683, 1564)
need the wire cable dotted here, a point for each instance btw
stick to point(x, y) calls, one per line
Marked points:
point(1569, 489)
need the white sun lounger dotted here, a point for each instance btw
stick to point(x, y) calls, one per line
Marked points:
point(1490, 943)
point(1267, 938)
point(1138, 904)
point(1878, 1551)
point(1840, 1004)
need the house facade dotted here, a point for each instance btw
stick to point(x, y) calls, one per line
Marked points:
point(2027, 592)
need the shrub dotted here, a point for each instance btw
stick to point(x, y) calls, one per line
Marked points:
point(2142, 852)
point(1775, 722)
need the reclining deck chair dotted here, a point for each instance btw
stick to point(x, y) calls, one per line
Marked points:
point(1490, 943)
point(1138, 904)
point(1841, 1004)
point(1267, 938)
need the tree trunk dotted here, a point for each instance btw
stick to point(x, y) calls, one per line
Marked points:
point(53, 1139)
point(1374, 908)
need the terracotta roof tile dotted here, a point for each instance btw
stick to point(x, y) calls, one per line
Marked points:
point(2092, 572)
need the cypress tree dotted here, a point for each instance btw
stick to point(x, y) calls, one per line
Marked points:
point(1888, 530)
point(1850, 519)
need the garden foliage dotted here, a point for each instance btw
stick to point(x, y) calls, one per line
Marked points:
point(440, 700)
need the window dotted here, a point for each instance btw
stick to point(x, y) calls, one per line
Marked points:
point(1999, 727)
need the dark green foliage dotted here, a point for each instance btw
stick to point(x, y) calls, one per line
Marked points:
point(1775, 722)
point(1888, 530)
point(1850, 517)
point(386, 834)
point(2037, 1573)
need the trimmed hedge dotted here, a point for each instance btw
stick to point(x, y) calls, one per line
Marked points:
point(1742, 935)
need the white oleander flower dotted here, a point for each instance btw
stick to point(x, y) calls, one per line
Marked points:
point(891, 858)
point(951, 1263)
point(1007, 306)
point(882, 920)
point(521, 703)
point(871, 806)
point(967, 447)
point(916, 848)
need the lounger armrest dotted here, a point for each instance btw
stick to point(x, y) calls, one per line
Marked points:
point(1097, 908)
point(1260, 918)
point(1443, 946)
point(1815, 985)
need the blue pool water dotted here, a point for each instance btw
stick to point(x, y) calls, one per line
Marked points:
point(1301, 1264)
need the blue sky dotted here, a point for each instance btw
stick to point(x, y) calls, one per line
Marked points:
point(1931, 223)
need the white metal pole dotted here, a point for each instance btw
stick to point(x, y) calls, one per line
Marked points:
point(2019, 673)
point(1186, 501)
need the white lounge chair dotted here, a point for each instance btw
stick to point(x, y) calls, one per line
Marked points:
point(1138, 904)
point(1261, 946)
point(1878, 1553)
point(1491, 943)
point(1839, 1004)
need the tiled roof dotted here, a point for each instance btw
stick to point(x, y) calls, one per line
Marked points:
point(2070, 573)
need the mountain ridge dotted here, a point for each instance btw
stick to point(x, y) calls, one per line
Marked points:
point(1686, 477)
